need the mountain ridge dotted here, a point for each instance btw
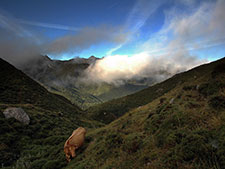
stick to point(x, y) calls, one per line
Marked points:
point(67, 78)
point(103, 112)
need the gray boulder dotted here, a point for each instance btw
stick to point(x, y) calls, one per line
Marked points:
point(17, 113)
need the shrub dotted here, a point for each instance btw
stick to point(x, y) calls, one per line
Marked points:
point(132, 143)
point(211, 88)
point(217, 102)
point(113, 140)
point(152, 124)
point(195, 146)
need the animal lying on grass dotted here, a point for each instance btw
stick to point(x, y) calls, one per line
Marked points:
point(75, 141)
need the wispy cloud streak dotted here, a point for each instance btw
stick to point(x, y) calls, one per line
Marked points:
point(10, 24)
point(137, 18)
point(48, 25)
point(17, 44)
point(140, 13)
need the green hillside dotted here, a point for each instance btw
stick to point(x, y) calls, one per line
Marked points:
point(113, 109)
point(18, 88)
point(76, 96)
point(106, 91)
point(182, 128)
point(52, 120)
point(120, 91)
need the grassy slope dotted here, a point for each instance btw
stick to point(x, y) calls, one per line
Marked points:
point(87, 95)
point(113, 109)
point(16, 87)
point(120, 91)
point(53, 118)
point(187, 133)
point(76, 96)
point(184, 128)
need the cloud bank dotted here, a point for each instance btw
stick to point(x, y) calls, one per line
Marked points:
point(117, 69)
point(18, 45)
point(87, 37)
point(169, 51)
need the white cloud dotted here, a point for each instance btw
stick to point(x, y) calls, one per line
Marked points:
point(117, 67)
point(168, 51)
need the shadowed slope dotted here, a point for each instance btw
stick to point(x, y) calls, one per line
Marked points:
point(52, 120)
point(18, 88)
point(113, 109)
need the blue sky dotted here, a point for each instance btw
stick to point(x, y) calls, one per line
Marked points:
point(71, 28)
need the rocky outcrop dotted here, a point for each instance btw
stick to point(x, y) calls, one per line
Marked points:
point(17, 113)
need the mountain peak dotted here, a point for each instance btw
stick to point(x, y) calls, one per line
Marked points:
point(92, 57)
point(47, 57)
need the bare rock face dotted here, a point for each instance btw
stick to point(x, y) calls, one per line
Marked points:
point(17, 113)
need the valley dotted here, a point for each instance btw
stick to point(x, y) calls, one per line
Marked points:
point(67, 78)
point(176, 123)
